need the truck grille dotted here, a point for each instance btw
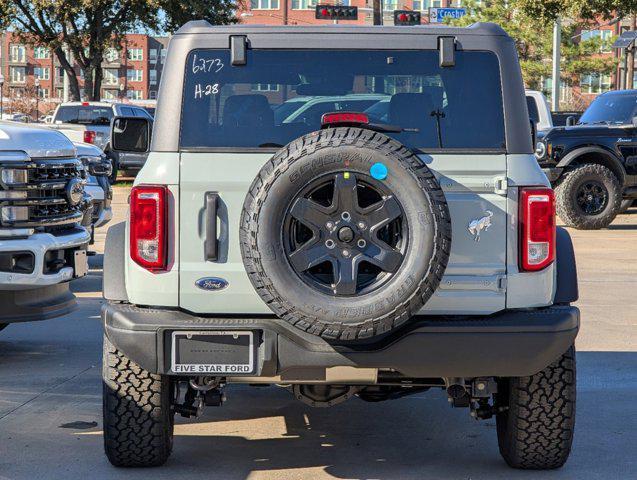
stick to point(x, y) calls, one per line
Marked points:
point(42, 193)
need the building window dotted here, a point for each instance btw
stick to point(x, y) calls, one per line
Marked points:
point(264, 4)
point(59, 93)
point(17, 53)
point(152, 54)
point(111, 55)
point(17, 74)
point(163, 55)
point(110, 95)
point(43, 73)
point(153, 77)
point(595, 83)
point(426, 4)
point(111, 76)
point(603, 35)
point(59, 75)
point(43, 93)
point(265, 87)
point(135, 54)
point(41, 53)
point(152, 94)
point(133, 75)
point(134, 95)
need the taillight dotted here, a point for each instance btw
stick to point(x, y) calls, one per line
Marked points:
point(344, 118)
point(537, 228)
point(148, 226)
point(89, 136)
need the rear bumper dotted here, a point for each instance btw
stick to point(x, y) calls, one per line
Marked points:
point(131, 161)
point(508, 344)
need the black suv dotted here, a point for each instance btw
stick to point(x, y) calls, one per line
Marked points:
point(593, 164)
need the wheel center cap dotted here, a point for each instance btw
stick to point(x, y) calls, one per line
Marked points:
point(345, 234)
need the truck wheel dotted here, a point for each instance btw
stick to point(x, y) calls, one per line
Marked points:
point(535, 428)
point(345, 234)
point(115, 167)
point(588, 197)
point(138, 417)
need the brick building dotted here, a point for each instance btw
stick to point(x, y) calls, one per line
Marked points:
point(301, 12)
point(130, 72)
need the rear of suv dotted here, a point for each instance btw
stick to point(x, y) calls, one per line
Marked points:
point(344, 255)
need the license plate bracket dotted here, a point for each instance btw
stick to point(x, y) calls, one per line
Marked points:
point(80, 263)
point(210, 352)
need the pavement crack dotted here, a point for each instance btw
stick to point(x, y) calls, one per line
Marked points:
point(46, 390)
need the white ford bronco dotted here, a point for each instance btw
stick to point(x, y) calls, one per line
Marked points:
point(347, 253)
point(42, 207)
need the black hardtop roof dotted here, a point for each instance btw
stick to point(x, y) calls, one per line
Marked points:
point(482, 29)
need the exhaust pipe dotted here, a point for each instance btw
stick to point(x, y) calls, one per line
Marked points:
point(456, 388)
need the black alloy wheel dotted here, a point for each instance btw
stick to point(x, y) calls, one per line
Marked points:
point(345, 234)
point(592, 197)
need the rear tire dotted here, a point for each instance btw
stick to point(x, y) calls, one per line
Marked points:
point(138, 416)
point(536, 431)
point(569, 188)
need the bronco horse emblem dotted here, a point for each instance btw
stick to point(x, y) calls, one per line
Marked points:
point(477, 226)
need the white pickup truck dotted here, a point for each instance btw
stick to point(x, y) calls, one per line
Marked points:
point(90, 122)
point(42, 241)
point(539, 110)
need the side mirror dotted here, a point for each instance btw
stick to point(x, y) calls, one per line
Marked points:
point(570, 121)
point(533, 132)
point(130, 134)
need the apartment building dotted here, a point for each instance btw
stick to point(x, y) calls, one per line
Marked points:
point(130, 71)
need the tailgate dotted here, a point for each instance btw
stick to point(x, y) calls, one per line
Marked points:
point(474, 279)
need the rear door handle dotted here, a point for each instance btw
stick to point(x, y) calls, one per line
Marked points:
point(211, 245)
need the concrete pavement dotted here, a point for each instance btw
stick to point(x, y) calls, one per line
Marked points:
point(50, 403)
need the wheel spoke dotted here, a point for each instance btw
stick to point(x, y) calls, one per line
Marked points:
point(309, 213)
point(382, 213)
point(309, 255)
point(383, 256)
point(345, 197)
point(346, 274)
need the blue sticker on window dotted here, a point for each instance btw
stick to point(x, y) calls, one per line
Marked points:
point(378, 171)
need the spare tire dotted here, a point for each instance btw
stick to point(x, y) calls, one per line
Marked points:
point(345, 234)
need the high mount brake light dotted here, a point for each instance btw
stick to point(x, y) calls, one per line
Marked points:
point(148, 226)
point(89, 136)
point(344, 118)
point(537, 228)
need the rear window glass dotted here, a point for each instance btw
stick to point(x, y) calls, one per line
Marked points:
point(85, 115)
point(281, 95)
point(534, 114)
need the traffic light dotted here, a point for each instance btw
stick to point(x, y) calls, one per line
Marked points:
point(406, 17)
point(336, 12)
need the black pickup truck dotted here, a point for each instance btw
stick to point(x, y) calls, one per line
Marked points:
point(593, 164)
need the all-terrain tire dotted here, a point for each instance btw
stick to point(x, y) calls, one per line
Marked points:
point(566, 190)
point(358, 317)
point(536, 430)
point(138, 418)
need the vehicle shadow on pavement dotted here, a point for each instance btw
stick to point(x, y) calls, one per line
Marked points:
point(265, 430)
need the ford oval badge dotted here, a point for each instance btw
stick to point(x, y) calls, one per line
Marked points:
point(211, 283)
